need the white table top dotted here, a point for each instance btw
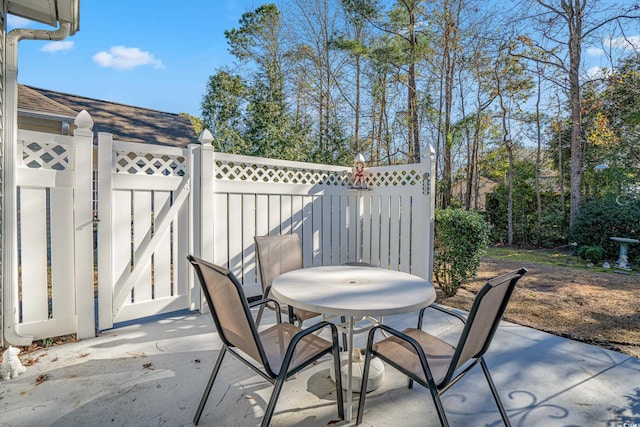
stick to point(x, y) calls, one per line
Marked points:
point(353, 290)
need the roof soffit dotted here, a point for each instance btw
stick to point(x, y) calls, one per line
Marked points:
point(48, 12)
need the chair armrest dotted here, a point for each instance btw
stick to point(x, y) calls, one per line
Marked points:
point(297, 337)
point(311, 329)
point(295, 340)
point(409, 340)
point(443, 309)
point(265, 301)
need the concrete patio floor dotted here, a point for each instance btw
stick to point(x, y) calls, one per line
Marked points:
point(153, 374)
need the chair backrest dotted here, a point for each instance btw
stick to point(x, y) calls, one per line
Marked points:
point(483, 319)
point(229, 308)
point(277, 255)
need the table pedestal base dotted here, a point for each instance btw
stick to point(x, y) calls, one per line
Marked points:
point(376, 373)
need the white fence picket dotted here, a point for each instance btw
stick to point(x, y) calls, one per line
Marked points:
point(162, 280)
point(248, 245)
point(141, 229)
point(62, 265)
point(405, 233)
point(33, 235)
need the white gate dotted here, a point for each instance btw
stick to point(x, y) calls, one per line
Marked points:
point(143, 230)
point(52, 291)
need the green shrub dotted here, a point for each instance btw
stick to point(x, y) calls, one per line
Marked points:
point(601, 219)
point(591, 253)
point(461, 238)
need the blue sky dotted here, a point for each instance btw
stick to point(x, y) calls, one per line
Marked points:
point(156, 55)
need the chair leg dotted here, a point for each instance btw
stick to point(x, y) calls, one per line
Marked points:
point(207, 390)
point(494, 392)
point(439, 408)
point(259, 316)
point(338, 369)
point(277, 388)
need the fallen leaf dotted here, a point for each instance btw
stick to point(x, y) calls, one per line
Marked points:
point(147, 365)
point(41, 378)
point(31, 361)
point(55, 359)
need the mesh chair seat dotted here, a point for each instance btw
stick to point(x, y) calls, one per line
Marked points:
point(438, 353)
point(276, 340)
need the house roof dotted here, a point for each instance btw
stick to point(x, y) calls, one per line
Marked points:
point(125, 122)
point(32, 101)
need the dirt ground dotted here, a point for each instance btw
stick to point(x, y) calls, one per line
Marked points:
point(584, 305)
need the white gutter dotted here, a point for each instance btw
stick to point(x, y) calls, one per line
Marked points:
point(10, 157)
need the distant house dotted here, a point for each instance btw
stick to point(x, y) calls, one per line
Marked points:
point(50, 111)
point(485, 186)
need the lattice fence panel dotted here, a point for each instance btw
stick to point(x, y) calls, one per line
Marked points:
point(394, 178)
point(42, 155)
point(134, 163)
point(231, 171)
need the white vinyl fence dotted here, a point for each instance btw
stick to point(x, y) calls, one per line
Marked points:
point(390, 225)
point(158, 204)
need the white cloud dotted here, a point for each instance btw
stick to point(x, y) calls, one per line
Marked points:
point(595, 51)
point(126, 58)
point(597, 72)
point(57, 46)
point(18, 22)
point(620, 43)
point(624, 43)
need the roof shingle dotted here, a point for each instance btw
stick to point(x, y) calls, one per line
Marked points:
point(125, 122)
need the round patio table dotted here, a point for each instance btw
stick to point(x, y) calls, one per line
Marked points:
point(353, 291)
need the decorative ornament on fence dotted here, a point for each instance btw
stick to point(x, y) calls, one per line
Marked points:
point(359, 165)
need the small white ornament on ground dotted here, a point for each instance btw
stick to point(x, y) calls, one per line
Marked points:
point(11, 366)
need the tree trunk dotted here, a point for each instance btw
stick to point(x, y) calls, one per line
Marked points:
point(538, 150)
point(356, 136)
point(575, 14)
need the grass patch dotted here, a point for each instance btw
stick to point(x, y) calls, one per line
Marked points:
point(539, 256)
point(544, 256)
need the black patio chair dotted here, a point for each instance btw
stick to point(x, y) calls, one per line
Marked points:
point(280, 351)
point(436, 364)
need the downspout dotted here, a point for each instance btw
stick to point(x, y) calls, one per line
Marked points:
point(10, 233)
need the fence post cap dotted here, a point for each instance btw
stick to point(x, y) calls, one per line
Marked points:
point(83, 120)
point(205, 137)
